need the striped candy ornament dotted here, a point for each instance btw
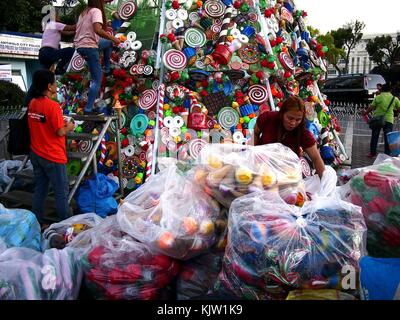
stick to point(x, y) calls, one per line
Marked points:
point(161, 105)
point(225, 26)
point(149, 156)
point(103, 152)
point(193, 100)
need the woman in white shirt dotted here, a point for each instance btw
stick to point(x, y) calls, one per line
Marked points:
point(50, 51)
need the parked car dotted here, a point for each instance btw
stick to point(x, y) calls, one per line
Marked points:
point(360, 88)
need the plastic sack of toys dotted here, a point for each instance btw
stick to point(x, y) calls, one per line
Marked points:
point(26, 274)
point(229, 171)
point(376, 189)
point(274, 248)
point(172, 215)
point(119, 267)
point(19, 228)
point(66, 233)
point(380, 278)
point(198, 275)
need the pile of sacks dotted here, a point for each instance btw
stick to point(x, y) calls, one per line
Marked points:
point(274, 248)
point(178, 237)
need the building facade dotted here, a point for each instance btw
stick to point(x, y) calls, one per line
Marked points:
point(360, 61)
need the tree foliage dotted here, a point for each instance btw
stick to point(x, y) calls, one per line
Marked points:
point(347, 38)
point(22, 15)
point(334, 53)
point(384, 51)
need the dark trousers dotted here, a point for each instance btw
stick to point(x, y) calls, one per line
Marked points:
point(46, 172)
point(48, 56)
point(375, 137)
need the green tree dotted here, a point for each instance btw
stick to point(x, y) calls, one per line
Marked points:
point(334, 53)
point(22, 15)
point(384, 51)
point(347, 38)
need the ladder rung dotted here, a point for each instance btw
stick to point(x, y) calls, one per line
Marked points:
point(28, 175)
point(95, 118)
point(77, 155)
point(82, 136)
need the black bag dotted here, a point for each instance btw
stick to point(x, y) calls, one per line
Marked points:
point(19, 140)
point(378, 122)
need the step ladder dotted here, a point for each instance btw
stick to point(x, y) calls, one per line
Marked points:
point(21, 198)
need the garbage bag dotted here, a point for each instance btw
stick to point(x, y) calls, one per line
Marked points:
point(96, 195)
point(19, 228)
point(172, 215)
point(380, 278)
point(229, 171)
point(119, 267)
point(376, 189)
point(274, 248)
point(198, 275)
point(5, 167)
point(66, 232)
point(26, 274)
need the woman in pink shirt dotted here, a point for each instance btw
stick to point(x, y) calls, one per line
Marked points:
point(50, 51)
point(91, 26)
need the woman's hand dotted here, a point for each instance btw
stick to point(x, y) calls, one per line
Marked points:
point(116, 41)
point(315, 157)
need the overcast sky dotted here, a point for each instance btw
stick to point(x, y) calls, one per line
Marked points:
point(379, 16)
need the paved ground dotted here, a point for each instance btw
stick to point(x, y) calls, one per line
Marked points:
point(355, 137)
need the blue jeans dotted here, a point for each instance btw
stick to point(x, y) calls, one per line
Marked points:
point(48, 56)
point(92, 57)
point(375, 137)
point(46, 171)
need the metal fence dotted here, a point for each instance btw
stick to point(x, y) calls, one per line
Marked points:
point(350, 111)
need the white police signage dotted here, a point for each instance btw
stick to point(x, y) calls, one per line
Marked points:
point(17, 45)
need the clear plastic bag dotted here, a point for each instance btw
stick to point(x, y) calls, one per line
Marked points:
point(274, 248)
point(376, 189)
point(26, 274)
point(119, 267)
point(66, 233)
point(198, 275)
point(172, 215)
point(229, 171)
point(322, 187)
point(19, 228)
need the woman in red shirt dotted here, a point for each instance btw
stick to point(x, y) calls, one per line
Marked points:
point(288, 126)
point(48, 145)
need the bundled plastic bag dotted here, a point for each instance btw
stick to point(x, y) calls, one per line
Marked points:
point(26, 274)
point(19, 228)
point(96, 195)
point(66, 233)
point(376, 189)
point(274, 248)
point(324, 187)
point(380, 278)
point(119, 267)
point(229, 171)
point(198, 275)
point(172, 215)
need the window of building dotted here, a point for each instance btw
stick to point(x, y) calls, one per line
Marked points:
point(352, 65)
point(358, 65)
point(365, 65)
